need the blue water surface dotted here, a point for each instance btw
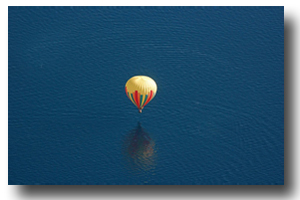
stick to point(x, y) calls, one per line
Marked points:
point(217, 118)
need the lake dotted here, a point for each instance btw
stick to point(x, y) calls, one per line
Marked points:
point(217, 117)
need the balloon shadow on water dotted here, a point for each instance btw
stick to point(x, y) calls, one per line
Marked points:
point(139, 150)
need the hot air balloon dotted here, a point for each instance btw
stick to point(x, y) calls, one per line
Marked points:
point(140, 90)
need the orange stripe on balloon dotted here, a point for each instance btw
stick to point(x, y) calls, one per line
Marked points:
point(137, 99)
point(149, 98)
point(126, 92)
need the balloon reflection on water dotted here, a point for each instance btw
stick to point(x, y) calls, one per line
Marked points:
point(140, 149)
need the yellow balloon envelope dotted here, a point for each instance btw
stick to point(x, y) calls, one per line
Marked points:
point(140, 90)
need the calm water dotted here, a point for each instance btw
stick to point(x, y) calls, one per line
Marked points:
point(217, 118)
